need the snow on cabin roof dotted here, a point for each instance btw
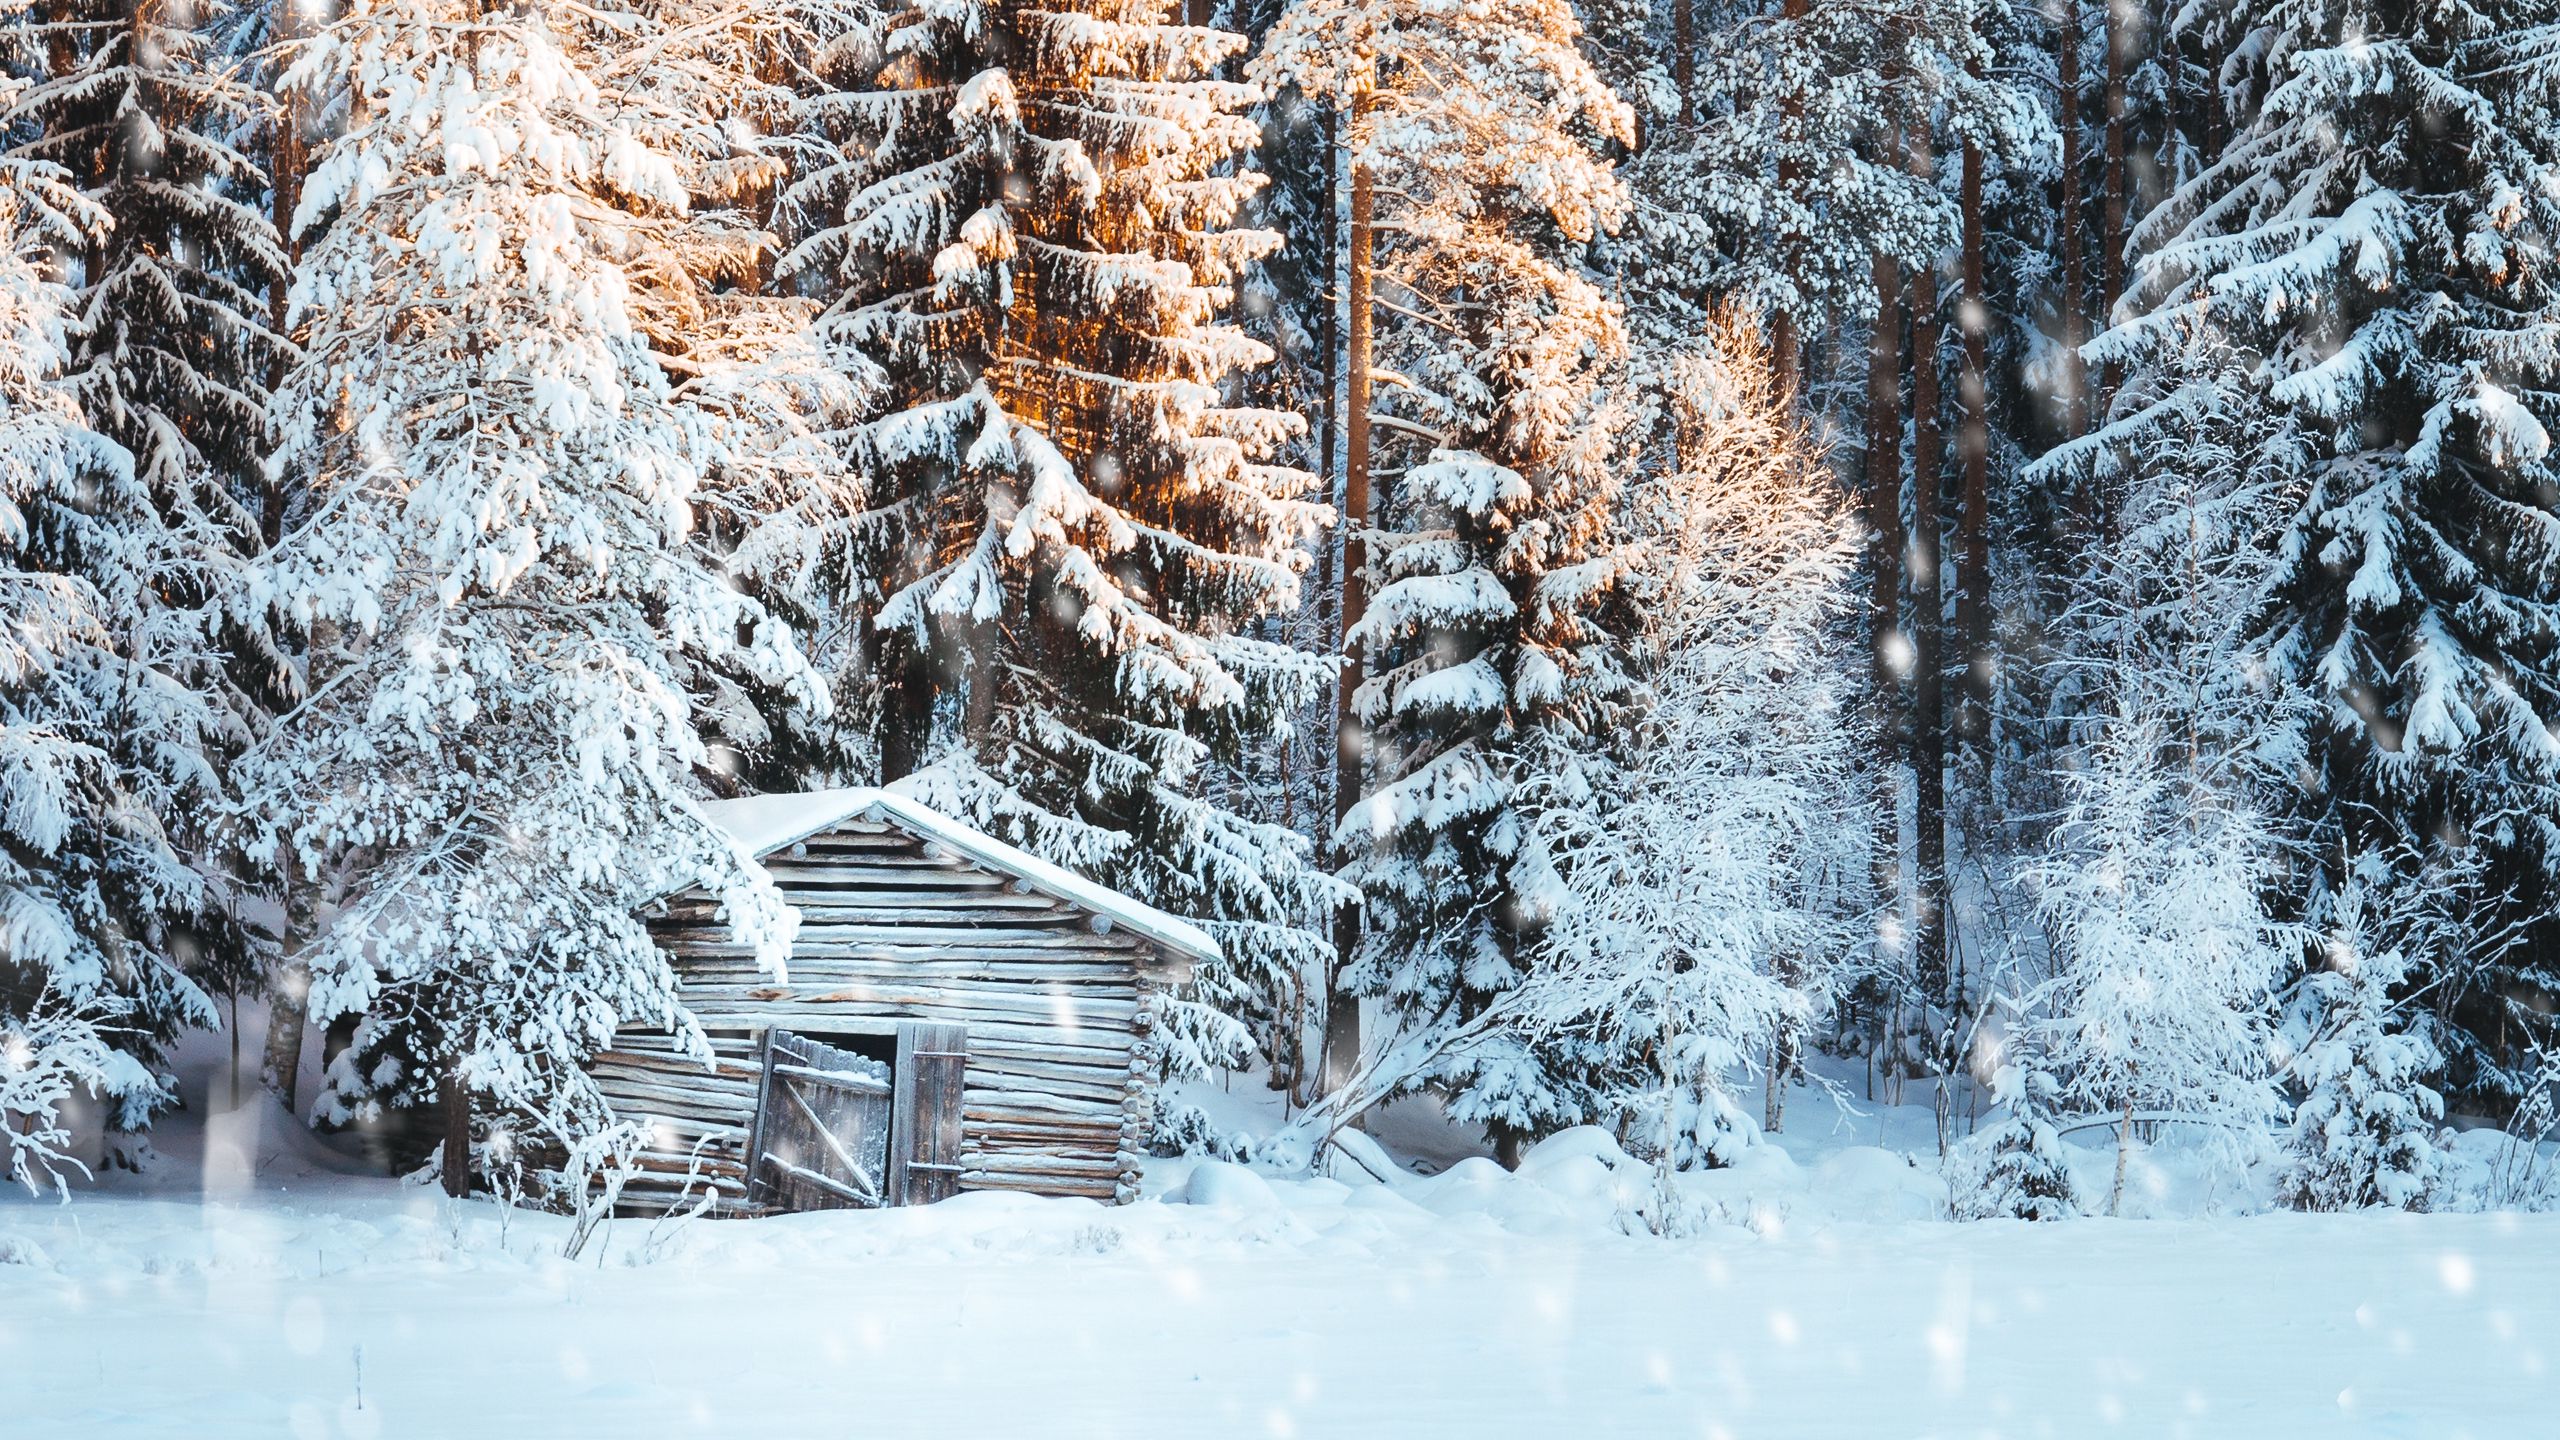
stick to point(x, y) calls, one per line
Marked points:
point(764, 824)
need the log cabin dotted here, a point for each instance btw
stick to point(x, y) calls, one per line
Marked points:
point(956, 1015)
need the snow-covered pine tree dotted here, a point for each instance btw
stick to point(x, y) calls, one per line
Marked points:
point(1034, 232)
point(2364, 1132)
point(1699, 915)
point(170, 348)
point(499, 571)
point(1492, 554)
point(722, 90)
point(97, 743)
point(2015, 1169)
point(2159, 883)
point(2376, 237)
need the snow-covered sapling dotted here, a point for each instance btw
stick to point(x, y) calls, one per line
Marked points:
point(2017, 1168)
point(2364, 1134)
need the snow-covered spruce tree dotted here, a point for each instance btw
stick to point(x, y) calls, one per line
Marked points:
point(1693, 933)
point(1033, 231)
point(97, 743)
point(2014, 1169)
point(1492, 553)
point(2364, 1131)
point(498, 574)
point(2377, 238)
point(170, 349)
point(1777, 178)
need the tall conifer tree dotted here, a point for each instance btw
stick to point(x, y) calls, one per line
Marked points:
point(518, 642)
point(1073, 527)
point(1488, 651)
point(2377, 239)
point(99, 740)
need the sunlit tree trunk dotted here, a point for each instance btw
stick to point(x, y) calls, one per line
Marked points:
point(1342, 1008)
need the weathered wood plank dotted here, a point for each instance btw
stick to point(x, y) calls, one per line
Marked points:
point(1063, 1009)
point(820, 1103)
point(931, 1075)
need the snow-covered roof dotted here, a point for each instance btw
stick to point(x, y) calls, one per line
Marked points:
point(764, 824)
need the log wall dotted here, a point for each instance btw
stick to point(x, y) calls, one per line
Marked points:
point(1060, 1012)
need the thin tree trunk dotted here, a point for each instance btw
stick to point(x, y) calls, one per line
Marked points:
point(1884, 578)
point(1928, 725)
point(1973, 521)
point(2075, 267)
point(1342, 1008)
point(1786, 346)
point(1311, 1077)
point(1785, 1048)
point(2124, 1150)
point(456, 1107)
point(288, 998)
point(2111, 234)
point(1684, 60)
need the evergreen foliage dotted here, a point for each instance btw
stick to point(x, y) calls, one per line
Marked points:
point(510, 623)
point(1074, 531)
point(2375, 239)
point(2364, 1132)
point(100, 740)
point(2015, 1168)
point(1489, 648)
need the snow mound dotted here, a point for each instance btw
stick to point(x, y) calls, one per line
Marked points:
point(1228, 1187)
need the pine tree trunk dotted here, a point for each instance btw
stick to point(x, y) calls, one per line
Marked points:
point(1928, 725)
point(2111, 233)
point(1311, 1077)
point(2075, 268)
point(1973, 521)
point(1684, 60)
point(1342, 1008)
point(456, 1107)
point(1884, 575)
point(1786, 345)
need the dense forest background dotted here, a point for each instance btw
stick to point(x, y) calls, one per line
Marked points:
point(1606, 549)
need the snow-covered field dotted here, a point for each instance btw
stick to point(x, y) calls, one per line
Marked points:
point(247, 1287)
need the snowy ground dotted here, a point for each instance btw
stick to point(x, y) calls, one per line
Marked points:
point(247, 1287)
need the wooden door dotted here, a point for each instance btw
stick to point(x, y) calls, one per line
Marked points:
point(821, 1137)
point(924, 1156)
